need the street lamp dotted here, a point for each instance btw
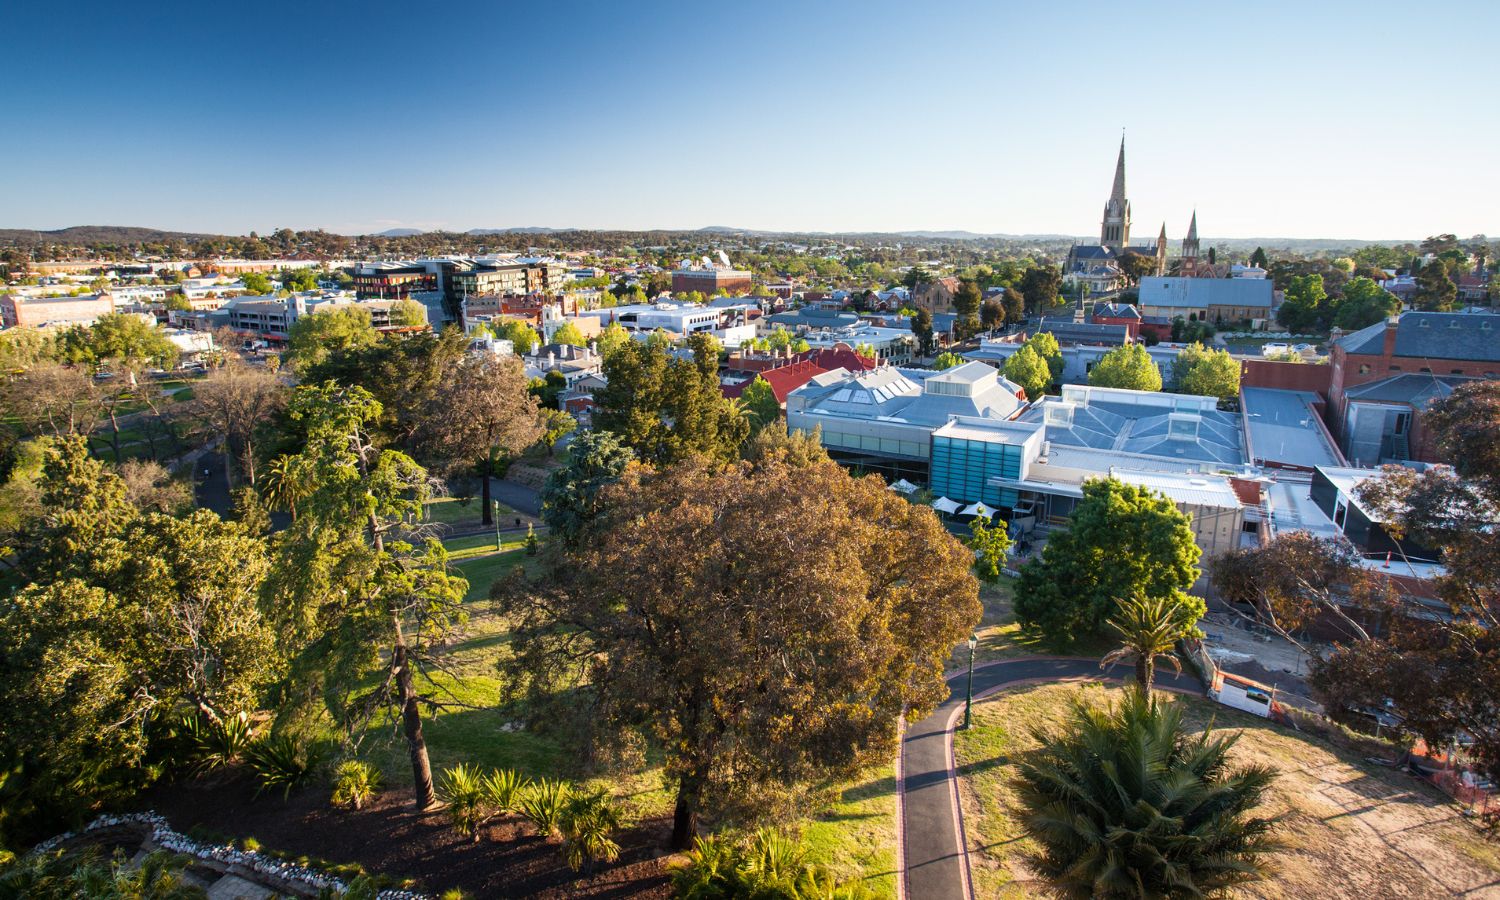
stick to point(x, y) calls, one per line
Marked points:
point(496, 510)
point(969, 700)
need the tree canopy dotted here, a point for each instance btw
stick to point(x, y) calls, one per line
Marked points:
point(1364, 303)
point(1206, 372)
point(1129, 367)
point(1029, 371)
point(755, 672)
point(666, 409)
point(317, 335)
point(1121, 541)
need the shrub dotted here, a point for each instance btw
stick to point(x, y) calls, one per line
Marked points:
point(543, 805)
point(355, 783)
point(504, 789)
point(768, 865)
point(588, 821)
point(463, 789)
point(216, 744)
point(1124, 803)
point(280, 762)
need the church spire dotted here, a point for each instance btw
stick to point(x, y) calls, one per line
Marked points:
point(1193, 228)
point(1118, 193)
point(1114, 230)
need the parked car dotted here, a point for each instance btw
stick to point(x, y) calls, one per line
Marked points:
point(1273, 349)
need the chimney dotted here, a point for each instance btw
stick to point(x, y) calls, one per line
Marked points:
point(1391, 324)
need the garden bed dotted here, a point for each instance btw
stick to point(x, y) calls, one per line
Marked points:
point(390, 839)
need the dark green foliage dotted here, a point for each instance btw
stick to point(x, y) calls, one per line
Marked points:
point(1039, 286)
point(1121, 541)
point(63, 876)
point(667, 409)
point(214, 744)
point(280, 761)
point(921, 326)
point(1125, 804)
point(570, 496)
point(1435, 289)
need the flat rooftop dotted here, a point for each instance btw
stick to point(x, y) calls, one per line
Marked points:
point(1284, 428)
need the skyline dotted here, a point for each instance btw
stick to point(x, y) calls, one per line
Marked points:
point(1304, 123)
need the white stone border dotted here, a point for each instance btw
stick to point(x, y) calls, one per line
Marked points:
point(162, 835)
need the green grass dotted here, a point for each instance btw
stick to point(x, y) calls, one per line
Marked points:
point(482, 571)
point(1001, 636)
point(856, 836)
point(453, 511)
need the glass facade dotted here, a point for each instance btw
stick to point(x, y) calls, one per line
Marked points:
point(962, 468)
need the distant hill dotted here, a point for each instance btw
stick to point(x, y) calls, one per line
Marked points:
point(96, 234)
point(399, 232)
point(528, 229)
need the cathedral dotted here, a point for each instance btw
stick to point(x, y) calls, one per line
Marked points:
point(1098, 265)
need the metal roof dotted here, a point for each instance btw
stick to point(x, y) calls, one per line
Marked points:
point(1197, 293)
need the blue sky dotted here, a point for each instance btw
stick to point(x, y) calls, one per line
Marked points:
point(1309, 119)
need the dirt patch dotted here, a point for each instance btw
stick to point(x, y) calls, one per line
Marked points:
point(1354, 830)
point(391, 839)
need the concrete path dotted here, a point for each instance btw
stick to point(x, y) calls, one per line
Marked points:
point(935, 865)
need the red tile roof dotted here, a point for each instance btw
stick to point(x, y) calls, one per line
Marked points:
point(782, 381)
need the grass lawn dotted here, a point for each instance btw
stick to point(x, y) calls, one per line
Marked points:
point(1001, 637)
point(1353, 829)
point(453, 511)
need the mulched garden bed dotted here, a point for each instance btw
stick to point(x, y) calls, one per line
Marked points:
point(390, 838)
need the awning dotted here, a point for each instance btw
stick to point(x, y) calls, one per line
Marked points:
point(902, 486)
point(944, 505)
point(978, 509)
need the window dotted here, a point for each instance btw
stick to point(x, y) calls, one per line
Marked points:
point(1364, 369)
point(1456, 372)
point(1394, 369)
point(1427, 369)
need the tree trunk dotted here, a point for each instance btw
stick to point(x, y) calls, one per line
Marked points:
point(411, 723)
point(485, 468)
point(685, 815)
point(114, 434)
point(228, 463)
point(1145, 672)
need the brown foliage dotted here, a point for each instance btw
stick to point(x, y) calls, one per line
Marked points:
point(766, 624)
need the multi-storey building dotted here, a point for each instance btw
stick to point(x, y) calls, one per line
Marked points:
point(711, 280)
point(1383, 378)
point(17, 310)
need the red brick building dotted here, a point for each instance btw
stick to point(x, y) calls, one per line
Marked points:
point(1382, 378)
point(711, 282)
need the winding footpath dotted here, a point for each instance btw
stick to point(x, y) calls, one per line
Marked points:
point(934, 863)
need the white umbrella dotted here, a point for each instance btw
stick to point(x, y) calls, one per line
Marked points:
point(902, 486)
point(978, 509)
point(943, 504)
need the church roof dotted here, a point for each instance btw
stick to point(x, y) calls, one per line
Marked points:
point(1192, 234)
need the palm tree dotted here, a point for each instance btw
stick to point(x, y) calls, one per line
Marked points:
point(1149, 628)
point(1124, 804)
point(588, 824)
point(283, 486)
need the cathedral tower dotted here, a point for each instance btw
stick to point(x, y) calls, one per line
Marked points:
point(1161, 250)
point(1114, 231)
point(1190, 248)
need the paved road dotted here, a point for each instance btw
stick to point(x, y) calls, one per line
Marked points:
point(518, 497)
point(935, 865)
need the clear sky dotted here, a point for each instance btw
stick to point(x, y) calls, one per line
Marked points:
point(1298, 119)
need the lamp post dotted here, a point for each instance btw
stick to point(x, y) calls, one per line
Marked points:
point(969, 699)
point(496, 510)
